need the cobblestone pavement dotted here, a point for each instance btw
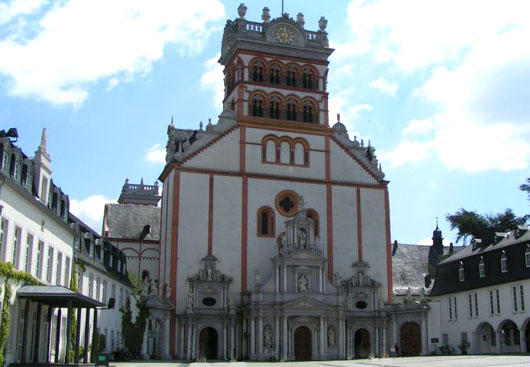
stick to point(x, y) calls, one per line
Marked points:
point(435, 361)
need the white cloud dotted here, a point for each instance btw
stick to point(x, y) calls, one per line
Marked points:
point(418, 127)
point(386, 87)
point(156, 154)
point(428, 242)
point(11, 9)
point(90, 210)
point(212, 80)
point(77, 43)
point(408, 152)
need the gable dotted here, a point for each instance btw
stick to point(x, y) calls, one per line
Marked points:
point(222, 153)
point(344, 166)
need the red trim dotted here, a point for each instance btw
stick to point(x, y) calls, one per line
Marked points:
point(329, 210)
point(274, 57)
point(174, 257)
point(203, 148)
point(283, 87)
point(326, 111)
point(162, 218)
point(368, 170)
point(132, 240)
point(387, 244)
point(210, 216)
point(244, 208)
point(359, 227)
point(242, 149)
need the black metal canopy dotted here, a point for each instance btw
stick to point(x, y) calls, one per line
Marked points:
point(57, 296)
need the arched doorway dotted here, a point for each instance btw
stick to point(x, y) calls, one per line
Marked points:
point(527, 336)
point(486, 338)
point(410, 339)
point(153, 338)
point(510, 338)
point(302, 344)
point(208, 344)
point(362, 343)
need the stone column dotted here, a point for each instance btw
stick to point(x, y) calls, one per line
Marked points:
point(320, 280)
point(394, 330)
point(232, 341)
point(385, 344)
point(277, 283)
point(188, 341)
point(424, 337)
point(144, 344)
point(341, 339)
point(276, 338)
point(284, 339)
point(165, 343)
point(252, 338)
point(285, 278)
point(260, 337)
point(375, 348)
point(193, 340)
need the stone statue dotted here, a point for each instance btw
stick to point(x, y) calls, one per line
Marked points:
point(302, 238)
point(266, 16)
point(302, 284)
point(191, 301)
point(209, 272)
point(360, 278)
point(257, 278)
point(301, 203)
point(300, 19)
point(317, 242)
point(331, 336)
point(267, 337)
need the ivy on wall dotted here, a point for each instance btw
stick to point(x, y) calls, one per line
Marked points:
point(73, 326)
point(133, 332)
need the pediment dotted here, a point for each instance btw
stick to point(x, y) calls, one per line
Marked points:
point(305, 302)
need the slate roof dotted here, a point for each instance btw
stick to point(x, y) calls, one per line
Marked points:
point(128, 220)
point(409, 267)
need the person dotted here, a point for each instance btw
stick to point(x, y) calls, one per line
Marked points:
point(396, 346)
point(302, 284)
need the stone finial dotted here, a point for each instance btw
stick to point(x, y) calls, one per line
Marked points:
point(322, 24)
point(266, 15)
point(242, 11)
point(200, 126)
point(171, 123)
point(43, 138)
point(338, 117)
point(300, 19)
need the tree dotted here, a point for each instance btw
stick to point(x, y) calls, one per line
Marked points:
point(526, 187)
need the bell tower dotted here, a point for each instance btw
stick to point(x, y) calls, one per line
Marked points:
point(276, 70)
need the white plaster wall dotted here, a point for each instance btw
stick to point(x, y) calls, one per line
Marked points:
point(227, 227)
point(344, 168)
point(316, 169)
point(20, 212)
point(345, 244)
point(166, 229)
point(374, 236)
point(222, 154)
point(193, 230)
point(263, 192)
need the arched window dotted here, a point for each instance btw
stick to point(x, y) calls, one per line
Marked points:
point(461, 275)
point(527, 256)
point(504, 263)
point(481, 268)
point(308, 114)
point(274, 108)
point(257, 71)
point(257, 106)
point(290, 111)
point(299, 154)
point(274, 74)
point(265, 222)
point(285, 152)
point(290, 77)
point(269, 151)
point(307, 79)
point(312, 213)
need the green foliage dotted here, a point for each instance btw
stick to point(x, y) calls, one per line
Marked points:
point(133, 332)
point(73, 326)
point(7, 270)
point(470, 224)
point(526, 187)
point(102, 343)
point(4, 323)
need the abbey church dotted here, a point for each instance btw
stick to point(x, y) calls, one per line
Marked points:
point(275, 232)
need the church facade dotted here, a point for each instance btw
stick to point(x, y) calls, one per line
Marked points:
point(275, 231)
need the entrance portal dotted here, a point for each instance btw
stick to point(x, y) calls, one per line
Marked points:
point(302, 344)
point(486, 338)
point(362, 343)
point(208, 344)
point(527, 336)
point(410, 339)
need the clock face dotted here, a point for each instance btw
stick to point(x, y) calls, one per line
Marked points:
point(284, 35)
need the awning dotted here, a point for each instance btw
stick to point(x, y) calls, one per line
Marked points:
point(56, 296)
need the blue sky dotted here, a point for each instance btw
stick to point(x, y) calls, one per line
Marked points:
point(440, 88)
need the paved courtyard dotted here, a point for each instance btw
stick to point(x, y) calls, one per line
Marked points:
point(436, 361)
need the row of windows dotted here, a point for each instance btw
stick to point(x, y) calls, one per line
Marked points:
point(275, 73)
point(101, 251)
point(278, 108)
point(16, 166)
point(285, 150)
point(33, 257)
point(482, 265)
point(98, 289)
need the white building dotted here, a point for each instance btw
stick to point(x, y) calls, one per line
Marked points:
point(482, 295)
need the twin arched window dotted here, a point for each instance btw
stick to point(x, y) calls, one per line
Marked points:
point(265, 222)
point(276, 73)
point(273, 106)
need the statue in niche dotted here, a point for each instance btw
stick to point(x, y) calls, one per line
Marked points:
point(257, 278)
point(317, 242)
point(267, 337)
point(331, 336)
point(191, 301)
point(303, 284)
point(209, 272)
point(302, 238)
point(360, 278)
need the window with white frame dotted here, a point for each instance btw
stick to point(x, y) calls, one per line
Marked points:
point(29, 251)
point(91, 286)
point(3, 235)
point(461, 275)
point(492, 303)
point(481, 268)
point(66, 271)
point(504, 263)
point(445, 339)
point(121, 297)
point(450, 308)
point(104, 296)
point(58, 271)
point(16, 170)
point(80, 281)
point(498, 298)
point(470, 302)
point(44, 190)
point(476, 305)
point(515, 300)
point(5, 160)
point(456, 308)
point(16, 244)
point(98, 289)
point(49, 265)
point(40, 254)
point(521, 296)
point(527, 256)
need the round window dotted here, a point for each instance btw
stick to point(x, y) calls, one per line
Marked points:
point(209, 301)
point(287, 203)
point(361, 305)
